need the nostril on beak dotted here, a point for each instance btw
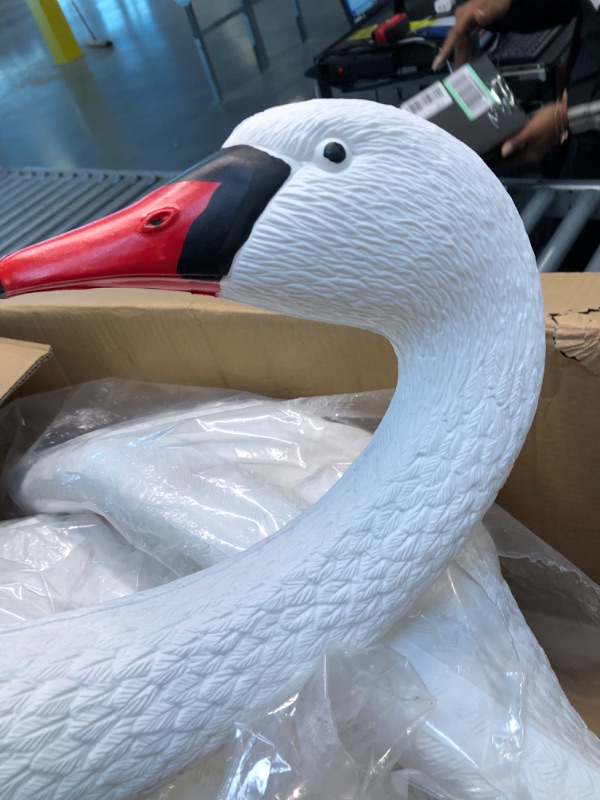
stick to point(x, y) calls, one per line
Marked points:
point(155, 222)
point(158, 219)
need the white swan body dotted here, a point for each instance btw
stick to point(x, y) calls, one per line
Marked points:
point(410, 236)
point(198, 484)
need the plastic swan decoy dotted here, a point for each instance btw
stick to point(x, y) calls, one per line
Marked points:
point(341, 211)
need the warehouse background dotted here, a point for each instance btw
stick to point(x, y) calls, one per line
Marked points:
point(145, 103)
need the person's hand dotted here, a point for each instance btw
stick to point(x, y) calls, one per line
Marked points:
point(469, 16)
point(544, 130)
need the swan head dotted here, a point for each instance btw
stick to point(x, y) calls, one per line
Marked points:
point(320, 209)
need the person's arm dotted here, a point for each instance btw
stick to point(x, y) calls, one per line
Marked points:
point(578, 109)
point(501, 15)
point(547, 128)
point(552, 125)
point(469, 17)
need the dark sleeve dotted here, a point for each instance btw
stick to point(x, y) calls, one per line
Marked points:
point(584, 91)
point(526, 16)
point(583, 69)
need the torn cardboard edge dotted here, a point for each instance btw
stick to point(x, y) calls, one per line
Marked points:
point(19, 360)
point(576, 334)
point(572, 306)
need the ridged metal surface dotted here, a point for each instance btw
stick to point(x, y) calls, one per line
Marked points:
point(38, 203)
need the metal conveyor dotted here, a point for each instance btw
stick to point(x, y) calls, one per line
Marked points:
point(562, 219)
point(38, 203)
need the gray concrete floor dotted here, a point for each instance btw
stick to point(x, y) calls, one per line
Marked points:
point(145, 104)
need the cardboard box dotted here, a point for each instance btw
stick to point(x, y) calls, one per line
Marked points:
point(180, 338)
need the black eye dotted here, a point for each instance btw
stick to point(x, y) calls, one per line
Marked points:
point(334, 151)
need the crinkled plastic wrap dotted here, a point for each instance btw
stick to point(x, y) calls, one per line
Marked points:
point(50, 564)
point(468, 641)
point(196, 481)
point(339, 736)
point(458, 640)
point(561, 606)
point(436, 711)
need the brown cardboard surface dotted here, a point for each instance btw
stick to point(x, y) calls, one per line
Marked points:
point(554, 486)
point(18, 360)
point(180, 338)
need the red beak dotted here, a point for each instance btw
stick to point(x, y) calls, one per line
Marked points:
point(183, 235)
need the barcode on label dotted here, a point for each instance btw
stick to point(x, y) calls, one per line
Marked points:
point(429, 102)
point(469, 91)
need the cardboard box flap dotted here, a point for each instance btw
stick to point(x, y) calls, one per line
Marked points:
point(18, 360)
point(179, 338)
point(570, 291)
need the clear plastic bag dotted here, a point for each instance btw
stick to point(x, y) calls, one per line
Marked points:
point(51, 418)
point(561, 606)
point(464, 638)
point(204, 476)
point(501, 720)
point(457, 639)
point(546, 583)
point(50, 564)
point(339, 736)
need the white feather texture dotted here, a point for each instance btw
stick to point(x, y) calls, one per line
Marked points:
point(411, 236)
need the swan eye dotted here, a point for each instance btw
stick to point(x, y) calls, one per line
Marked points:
point(334, 152)
point(332, 155)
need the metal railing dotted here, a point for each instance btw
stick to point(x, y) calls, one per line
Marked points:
point(555, 214)
point(246, 10)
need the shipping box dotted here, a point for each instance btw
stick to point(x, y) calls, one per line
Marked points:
point(166, 337)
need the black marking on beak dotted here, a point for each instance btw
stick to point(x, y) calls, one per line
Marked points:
point(248, 179)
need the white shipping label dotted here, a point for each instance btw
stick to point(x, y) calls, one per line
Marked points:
point(429, 102)
point(470, 92)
